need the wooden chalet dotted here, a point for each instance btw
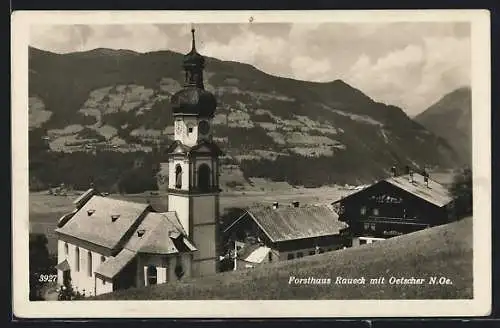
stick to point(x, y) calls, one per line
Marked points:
point(395, 206)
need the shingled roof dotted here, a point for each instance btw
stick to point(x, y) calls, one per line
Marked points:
point(290, 223)
point(159, 233)
point(435, 193)
point(432, 192)
point(103, 221)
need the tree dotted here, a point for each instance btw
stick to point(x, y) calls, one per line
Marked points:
point(40, 262)
point(461, 190)
point(67, 293)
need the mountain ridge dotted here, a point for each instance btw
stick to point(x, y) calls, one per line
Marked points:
point(308, 133)
point(451, 118)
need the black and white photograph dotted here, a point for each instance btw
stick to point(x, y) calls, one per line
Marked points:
point(258, 163)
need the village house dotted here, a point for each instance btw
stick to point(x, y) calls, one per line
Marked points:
point(394, 206)
point(264, 234)
point(107, 244)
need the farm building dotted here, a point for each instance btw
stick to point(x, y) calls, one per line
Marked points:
point(265, 234)
point(397, 205)
point(107, 244)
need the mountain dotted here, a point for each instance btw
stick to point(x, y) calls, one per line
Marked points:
point(304, 133)
point(451, 119)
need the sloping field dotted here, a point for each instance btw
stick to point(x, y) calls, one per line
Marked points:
point(444, 251)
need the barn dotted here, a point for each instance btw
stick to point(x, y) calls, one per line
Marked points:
point(264, 234)
point(394, 206)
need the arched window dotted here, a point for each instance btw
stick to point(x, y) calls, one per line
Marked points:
point(89, 263)
point(77, 259)
point(178, 177)
point(204, 177)
point(152, 275)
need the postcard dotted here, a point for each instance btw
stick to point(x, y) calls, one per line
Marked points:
point(200, 164)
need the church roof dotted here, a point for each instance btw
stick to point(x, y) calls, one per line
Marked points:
point(104, 221)
point(160, 233)
point(113, 265)
point(290, 223)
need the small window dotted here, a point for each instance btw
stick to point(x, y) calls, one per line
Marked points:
point(299, 254)
point(103, 258)
point(363, 210)
point(190, 130)
point(375, 211)
point(89, 263)
point(103, 282)
point(151, 275)
point(270, 256)
point(373, 226)
point(66, 249)
point(77, 259)
point(290, 256)
point(362, 241)
point(366, 226)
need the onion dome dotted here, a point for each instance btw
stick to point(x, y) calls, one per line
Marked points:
point(193, 99)
point(193, 58)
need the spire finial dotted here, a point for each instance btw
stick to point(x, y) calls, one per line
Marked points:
point(192, 33)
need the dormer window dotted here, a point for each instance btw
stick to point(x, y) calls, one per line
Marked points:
point(115, 217)
point(90, 212)
point(141, 232)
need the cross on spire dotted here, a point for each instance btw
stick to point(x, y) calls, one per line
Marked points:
point(193, 46)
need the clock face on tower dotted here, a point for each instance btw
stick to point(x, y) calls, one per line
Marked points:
point(203, 127)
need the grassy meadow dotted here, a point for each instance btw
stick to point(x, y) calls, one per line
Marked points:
point(443, 251)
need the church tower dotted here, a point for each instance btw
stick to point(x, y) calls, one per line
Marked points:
point(193, 165)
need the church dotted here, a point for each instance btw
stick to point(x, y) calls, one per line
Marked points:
point(107, 244)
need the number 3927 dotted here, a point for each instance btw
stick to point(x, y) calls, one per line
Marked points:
point(47, 278)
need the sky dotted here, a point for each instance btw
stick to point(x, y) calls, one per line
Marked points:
point(410, 65)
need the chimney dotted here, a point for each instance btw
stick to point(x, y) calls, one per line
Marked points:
point(275, 205)
point(407, 169)
point(394, 171)
point(295, 204)
point(114, 217)
point(426, 178)
point(90, 212)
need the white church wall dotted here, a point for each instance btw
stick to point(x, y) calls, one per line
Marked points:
point(204, 239)
point(180, 204)
point(103, 285)
point(204, 209)
point(80, 279)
